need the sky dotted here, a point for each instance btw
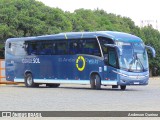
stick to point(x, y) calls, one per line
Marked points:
point(137, 10)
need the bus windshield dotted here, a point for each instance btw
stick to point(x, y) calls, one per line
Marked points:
point(133, 57)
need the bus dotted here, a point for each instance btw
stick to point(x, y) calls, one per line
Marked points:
point(98, 58)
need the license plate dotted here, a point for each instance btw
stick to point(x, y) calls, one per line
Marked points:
point(136, 83)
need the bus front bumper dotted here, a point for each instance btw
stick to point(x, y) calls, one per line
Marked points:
point(131, 78)
point(133, 82)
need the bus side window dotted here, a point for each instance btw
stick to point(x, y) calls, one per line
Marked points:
point(90, 46)
point(62, 47)
point(45, 48)
point(54, 48)
point(8, 49)
point(74, 47)
point(17, 48)
point(28, 48)
point(31, 47)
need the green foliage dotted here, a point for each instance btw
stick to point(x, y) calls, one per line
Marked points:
point(152, 37)
point(31, 18)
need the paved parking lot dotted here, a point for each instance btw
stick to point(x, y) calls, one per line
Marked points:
point(80, 98)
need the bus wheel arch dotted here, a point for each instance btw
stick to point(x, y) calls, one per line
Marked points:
point(95, 81)
point(29, 81)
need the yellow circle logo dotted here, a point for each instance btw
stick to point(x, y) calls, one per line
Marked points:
point(84, 63)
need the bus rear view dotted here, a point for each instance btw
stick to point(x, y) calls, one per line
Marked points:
point(96, 58)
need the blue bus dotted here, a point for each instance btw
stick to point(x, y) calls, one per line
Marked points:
point(96, 58)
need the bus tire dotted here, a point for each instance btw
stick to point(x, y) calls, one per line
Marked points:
point(92, 82)
point(123, 87)
point(53, 85)
point(29, 81)
point(97, 82)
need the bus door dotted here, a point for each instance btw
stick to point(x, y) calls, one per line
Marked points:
point(112, 63)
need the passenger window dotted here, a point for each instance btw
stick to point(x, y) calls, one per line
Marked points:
point(74, 47)
point(47, 47)
point(61, 48)
point(31, 47)
point(17, 48)
point(84, 46)
point(91, 47)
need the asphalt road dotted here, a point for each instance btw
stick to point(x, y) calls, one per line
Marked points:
point(80, 98)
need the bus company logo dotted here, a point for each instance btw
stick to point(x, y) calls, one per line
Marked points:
point(31, 60)
point(137, 77)
point(80, 58)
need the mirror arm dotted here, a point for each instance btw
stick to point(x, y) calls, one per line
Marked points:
point(152, 50)
point(114, 46)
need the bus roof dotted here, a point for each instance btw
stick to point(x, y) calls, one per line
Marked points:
point(116, 36)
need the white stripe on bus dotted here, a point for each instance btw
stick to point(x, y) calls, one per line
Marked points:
point(103, 82)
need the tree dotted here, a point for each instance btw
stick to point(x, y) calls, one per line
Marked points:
point(152, 38)
point(20, 18)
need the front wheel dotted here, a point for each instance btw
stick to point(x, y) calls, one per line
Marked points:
point(123, 87)
point(95, 82)
point(29, 81)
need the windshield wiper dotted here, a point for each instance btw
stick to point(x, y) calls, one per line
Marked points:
point(135, 58)
point(140, 63)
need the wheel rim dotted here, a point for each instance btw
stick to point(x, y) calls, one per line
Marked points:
point(96, 78)
point(29, 81)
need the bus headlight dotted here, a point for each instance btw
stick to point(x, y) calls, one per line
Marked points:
point(120, 73)
point(132, 76)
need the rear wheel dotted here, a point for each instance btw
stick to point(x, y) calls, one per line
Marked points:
point(29, 81)
point(123, 87)
point(53, 85)
point(97, 82)
point(92, 82)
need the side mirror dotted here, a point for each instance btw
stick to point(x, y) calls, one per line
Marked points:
point(115, 46)
point(152, 50)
